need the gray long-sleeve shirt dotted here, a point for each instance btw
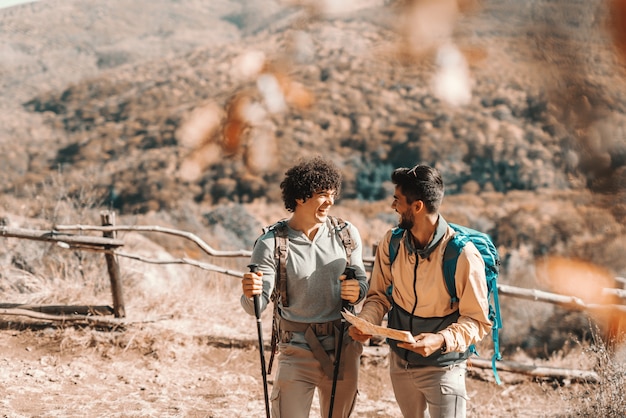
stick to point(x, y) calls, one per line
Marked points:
point(313, 270)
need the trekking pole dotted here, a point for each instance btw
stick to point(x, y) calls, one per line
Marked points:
point(257, 312)
point(350, 273)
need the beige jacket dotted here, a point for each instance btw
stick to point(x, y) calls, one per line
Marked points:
point(420, 289)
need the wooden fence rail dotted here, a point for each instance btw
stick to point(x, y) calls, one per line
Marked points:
point(141, 228)
point(63, 240)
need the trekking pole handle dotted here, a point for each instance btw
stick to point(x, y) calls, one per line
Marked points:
point(350, 273)
point(254, 268)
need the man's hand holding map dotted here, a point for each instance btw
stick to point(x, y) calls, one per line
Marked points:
point(368, 328)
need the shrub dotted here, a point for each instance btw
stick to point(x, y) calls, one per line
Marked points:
point(606, 398)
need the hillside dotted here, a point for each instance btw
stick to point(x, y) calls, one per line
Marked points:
point(541, 124)
point(186, 113)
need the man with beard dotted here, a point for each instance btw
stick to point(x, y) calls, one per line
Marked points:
point(314, 289)
point(428, 376)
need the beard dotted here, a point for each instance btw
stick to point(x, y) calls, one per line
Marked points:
point(406, 221)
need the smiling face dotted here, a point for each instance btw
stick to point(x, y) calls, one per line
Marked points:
point(317, 206)
point(404, 209)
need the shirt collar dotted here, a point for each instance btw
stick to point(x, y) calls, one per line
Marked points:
point(440, 231)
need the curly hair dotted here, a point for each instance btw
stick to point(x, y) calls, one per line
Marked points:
point(420, 183)
point(307, 177)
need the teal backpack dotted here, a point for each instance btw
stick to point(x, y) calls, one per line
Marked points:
point(488, 250)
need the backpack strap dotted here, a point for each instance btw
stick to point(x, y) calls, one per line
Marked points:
point(450, 258)
point(281, 247)
point(340, 226)
point(394, 243)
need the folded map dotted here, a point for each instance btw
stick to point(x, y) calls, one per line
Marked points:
point(367, 327)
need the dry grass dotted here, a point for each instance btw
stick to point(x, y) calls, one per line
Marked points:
point(606, 398)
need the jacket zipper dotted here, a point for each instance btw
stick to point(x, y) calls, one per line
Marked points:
point(406, 354)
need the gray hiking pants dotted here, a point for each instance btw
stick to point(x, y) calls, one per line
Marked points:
point(299, 373)
point(435, 392)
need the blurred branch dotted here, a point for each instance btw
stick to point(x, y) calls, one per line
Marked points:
point(188, 235)
point(620, 293)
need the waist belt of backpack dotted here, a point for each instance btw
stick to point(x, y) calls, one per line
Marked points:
point(311, 332)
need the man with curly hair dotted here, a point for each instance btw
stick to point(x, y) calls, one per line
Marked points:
point(316, 288)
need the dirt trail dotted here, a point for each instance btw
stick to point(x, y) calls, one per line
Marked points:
point(154, 371)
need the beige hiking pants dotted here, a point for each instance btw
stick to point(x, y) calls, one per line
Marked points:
point(435, 392)
point(299, 373)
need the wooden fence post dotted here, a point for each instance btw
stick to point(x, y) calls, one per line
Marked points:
point(108, 219)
